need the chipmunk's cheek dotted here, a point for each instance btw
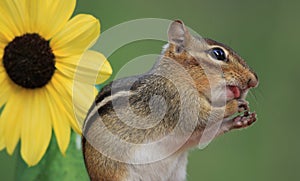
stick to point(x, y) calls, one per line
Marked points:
point(232, 92)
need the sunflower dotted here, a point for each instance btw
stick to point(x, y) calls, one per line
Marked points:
point(42, 50)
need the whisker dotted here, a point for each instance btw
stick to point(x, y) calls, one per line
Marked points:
point(257, 96)
point(253, 95)
point(260, 94)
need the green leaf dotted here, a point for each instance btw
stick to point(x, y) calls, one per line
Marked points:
point(55, 166)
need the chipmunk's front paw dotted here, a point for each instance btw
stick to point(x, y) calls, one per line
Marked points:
point(240, 121)
point(244, 120)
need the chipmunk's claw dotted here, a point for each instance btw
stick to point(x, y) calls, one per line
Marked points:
point(243, 105)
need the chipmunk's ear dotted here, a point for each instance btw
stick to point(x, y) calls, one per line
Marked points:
point(178, 33)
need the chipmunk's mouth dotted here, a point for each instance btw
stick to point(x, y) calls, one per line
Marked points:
point(233, 92)
point(230, 92)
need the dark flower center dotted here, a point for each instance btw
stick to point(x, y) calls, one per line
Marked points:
point(29, 61)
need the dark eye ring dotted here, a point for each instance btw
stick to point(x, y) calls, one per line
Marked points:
point(218, 54)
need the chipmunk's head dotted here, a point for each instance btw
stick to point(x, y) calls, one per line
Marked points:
point(209, 63)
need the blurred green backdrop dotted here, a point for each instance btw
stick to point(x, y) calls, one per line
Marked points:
point(266, 34)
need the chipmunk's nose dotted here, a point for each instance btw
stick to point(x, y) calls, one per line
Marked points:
point(253, 80)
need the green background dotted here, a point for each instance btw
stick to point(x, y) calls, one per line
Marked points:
point(266, 35)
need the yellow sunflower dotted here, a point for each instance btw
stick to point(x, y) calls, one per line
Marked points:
point(41, 50)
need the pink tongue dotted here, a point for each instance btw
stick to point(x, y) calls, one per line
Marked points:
point(236, 91)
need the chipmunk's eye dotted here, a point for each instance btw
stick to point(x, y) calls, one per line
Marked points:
point(218, 54)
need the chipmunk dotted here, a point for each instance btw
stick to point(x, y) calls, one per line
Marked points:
point(142, 127)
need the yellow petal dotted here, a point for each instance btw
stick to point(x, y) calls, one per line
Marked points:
point(76, 36)
point(36, 125)
point(67, 69)
point(2, 46)
point(6, 91)
point(62, 87)
point(60, 120)
point(47, 17)
point(92, 68)
point(94, 65)
point(5, 87)
point(2, 145)
point(2, 140)
point(1, 68)
point(12, 126)
point(12, 15)
point(7, 32)
point(84, 95)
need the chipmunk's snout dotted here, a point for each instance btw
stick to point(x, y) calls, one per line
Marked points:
point(252, 80)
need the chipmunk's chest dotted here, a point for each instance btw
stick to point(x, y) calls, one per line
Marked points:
point(172, 168)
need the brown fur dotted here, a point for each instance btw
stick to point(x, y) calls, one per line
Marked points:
point(113, 170)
